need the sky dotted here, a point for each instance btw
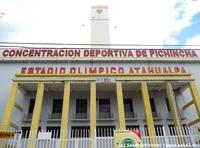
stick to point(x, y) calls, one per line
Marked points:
point(161, 22)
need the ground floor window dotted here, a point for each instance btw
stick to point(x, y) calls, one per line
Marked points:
point(132, 127)
point(173, 130)
point(105, 131)
point(80, 131)
point(55, 131)
point(158, 130)
point(26, 131)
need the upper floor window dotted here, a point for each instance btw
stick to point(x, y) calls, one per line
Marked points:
point(104, 105)
point(128, 105)
point(153, 105)
point(167, 103)
point(81, 105)
point(104, 108)
point(57, 105)
point(31, 105)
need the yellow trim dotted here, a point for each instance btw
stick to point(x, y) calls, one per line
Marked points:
point(194, 122)
point(52, 79)
point(65, 115)
point(120, 105)
point(188, 105)
point(36, 115)
point(148, 112)
point(44, 79)
point(92, 111)
point(195, 96)
point(155, 79)
point(104, 74)
point(9, 107)
point(19, 107)
point(13, 125)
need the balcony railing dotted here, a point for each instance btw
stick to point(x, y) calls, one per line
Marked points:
point(105, 116)
point(156, 115)
point(28, 117)
point(131, 116)
point(80, 116)
point(54, 116)
point(169, 116)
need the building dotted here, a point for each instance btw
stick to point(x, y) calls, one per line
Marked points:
point(89, 92)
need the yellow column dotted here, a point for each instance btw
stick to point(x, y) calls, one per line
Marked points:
point(92, 111)
point(65, 114)
point(172, 105)
point(120, 105)
point(148, 113)
point(174, 110)
point(36, 115)
point(195, 96)
point(9, 107)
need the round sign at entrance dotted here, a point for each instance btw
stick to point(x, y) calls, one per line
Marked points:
point(127, 139)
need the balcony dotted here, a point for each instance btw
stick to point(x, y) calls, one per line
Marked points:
point(28, 117)
point(80, 117)
point(54, 117)
point(107, 116)
point(131, 116)
point(169, 116)
point(155, 115)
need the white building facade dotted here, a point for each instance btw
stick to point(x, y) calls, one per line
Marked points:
point(91, 91)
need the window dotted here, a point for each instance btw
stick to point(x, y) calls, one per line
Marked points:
point(167, 103)
point(55, 131)
point(104, 108)
point(31, 105)
point(158, 129)
point(128, 106)
point(173, 131)
point(132, 127)
point(80, 131)
point(81, 109)
point(57, 105)
point(153, 106)
point(105, 131)
point(81, 106)
point(26, 131)
point(185, 129)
